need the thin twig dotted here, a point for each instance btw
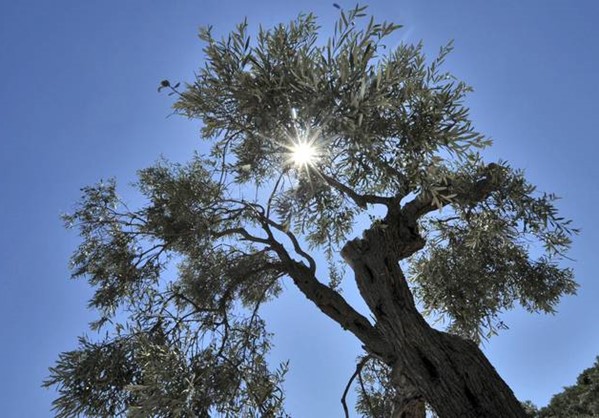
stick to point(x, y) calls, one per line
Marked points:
point(272, 195)
point(370, 407)
point(359, 367)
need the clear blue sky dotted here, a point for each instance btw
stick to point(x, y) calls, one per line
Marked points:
point(78, 102)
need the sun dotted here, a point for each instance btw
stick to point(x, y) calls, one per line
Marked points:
point(303, 153)
point(303, 146)
point(303, 150)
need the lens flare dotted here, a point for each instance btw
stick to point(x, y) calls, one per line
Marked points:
point(303, 153)
point(303, 145)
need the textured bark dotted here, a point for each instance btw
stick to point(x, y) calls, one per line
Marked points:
point(331, 303)
point(449, 373)
point(412, 408)
point(409, 403)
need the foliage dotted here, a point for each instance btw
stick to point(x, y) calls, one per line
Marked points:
point(580, 400)
point(376, 391)
point(185, 349)
point(389, 128)
point(477, 262)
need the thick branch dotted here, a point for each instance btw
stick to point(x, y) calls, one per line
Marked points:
point(450, 373)
point(360, 199)
point(479, 190)
point(296, 246)
point(330, 302)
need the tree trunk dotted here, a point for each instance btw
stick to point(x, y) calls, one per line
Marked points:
point(413, 409)
point(409, 408)
point(450, 373)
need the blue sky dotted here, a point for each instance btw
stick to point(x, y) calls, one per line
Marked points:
point(78, 103)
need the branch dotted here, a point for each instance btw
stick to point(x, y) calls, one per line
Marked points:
point(360, 199)
point(272, 194)
point(296, 246)
point(359, 367)
point(423, 203)
point(364, 392)
point(241, 231)
point(331, 303)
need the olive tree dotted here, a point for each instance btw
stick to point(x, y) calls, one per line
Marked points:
point(311, 139)
point(579, 400)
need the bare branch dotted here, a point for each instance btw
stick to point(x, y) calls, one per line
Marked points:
point(272, 194)
point(331, 303)
point(296, 246)
point(363, 389)
point(360, 199)
point(243, 232)
point(359, 367)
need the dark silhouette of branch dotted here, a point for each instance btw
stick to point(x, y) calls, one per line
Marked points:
point(360, 199)
point(357, 372)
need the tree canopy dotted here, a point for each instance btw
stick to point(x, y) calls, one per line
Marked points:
point(579, 400)
point(308, 138)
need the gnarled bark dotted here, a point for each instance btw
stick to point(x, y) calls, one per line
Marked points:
point(409, 402)
point(450, 373)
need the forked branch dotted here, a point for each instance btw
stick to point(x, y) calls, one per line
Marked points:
point(356, 373)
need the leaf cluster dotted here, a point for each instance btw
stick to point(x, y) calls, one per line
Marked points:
point(485, 256)
point(191, 345)
point(384, 121)
point(579, 400)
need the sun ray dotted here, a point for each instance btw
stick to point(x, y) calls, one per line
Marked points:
point(303, 149)
point(303, 153)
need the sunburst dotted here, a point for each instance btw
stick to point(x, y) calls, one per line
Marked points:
point(303, 146)
point(303, 153)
